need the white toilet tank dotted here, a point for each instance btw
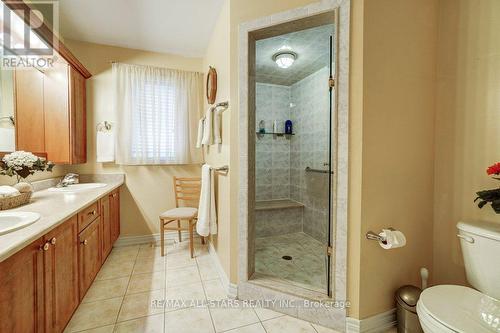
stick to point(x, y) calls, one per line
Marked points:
point(480, 242)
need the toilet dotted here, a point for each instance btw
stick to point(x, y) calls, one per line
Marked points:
point(452, 308)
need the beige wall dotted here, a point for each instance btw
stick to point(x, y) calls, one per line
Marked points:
point(467, 123)
point(217, 55)
point(396, 93)
point(148, 190)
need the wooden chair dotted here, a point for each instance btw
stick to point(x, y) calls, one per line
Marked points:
point(187, 190)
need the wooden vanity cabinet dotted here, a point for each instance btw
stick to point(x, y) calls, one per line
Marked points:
point(64, 115)
point(22, 291)
point(89, 255)
point(114, 214)
point(106, 242)
point(61, 275)
point(42, 285)
point(30, 132)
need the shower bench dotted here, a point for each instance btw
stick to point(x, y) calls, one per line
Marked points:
point(278, 217)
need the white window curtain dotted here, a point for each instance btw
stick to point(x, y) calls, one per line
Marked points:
point(158, 110)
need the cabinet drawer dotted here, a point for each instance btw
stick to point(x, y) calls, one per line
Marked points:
point(86, 216)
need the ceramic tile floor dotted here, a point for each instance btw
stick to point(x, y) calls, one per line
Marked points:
point(127, 294)
point(307, 267)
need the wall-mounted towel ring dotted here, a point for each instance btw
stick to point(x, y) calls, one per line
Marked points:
point(104, 126)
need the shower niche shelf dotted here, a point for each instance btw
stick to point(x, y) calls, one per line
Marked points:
point(275, 133)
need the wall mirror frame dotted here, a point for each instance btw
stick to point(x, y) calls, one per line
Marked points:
point(211, 85)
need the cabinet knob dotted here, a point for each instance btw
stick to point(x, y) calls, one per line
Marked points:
point(92, 212)
point(114, 195)
point(45, 246)
point(53, 241)
point(84, 242)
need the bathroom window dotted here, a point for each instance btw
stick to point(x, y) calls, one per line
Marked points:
point(153, 125)
point(158, 111)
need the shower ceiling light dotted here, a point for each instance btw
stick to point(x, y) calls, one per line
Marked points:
point(285, 59)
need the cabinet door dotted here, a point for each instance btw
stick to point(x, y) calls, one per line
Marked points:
point(30, 132)
point(56, 112)
point(89, 255)
point(61, 275)
point(78, 117)
point(22, 291)
point(114, 205)
point(106, 227)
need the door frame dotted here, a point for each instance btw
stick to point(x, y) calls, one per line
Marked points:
point(247, 33)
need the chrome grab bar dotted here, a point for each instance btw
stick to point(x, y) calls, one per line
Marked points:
point(308, 169)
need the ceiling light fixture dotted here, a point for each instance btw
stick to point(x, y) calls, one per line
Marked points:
point(284, 59)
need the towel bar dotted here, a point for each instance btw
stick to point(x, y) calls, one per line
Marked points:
point(223, 169)
point(11, 118)
point(223, 105)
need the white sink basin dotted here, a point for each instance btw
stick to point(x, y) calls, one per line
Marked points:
point(77, 187)
point(10, 221)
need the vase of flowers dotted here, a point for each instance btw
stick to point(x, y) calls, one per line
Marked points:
point(21, 164)
point(490, 196)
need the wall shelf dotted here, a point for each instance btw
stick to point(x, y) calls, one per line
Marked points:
point(274, 133)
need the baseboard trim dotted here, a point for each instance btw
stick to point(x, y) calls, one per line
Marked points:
point(148, 239)
point(231, 288)
point(379, 323)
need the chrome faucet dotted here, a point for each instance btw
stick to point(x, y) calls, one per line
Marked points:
point(69, 179)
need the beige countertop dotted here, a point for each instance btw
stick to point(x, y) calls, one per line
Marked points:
point(54, 208)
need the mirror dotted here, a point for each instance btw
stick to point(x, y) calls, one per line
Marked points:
point(211, 85)
point(7, 112)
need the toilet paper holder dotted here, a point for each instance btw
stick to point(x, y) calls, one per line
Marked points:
point(373, 236)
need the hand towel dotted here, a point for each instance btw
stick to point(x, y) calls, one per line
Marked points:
point(207, 128)
point(8, 191)
point(217, 126)
point(105, 142)
point(200, 132)
point(207, 215)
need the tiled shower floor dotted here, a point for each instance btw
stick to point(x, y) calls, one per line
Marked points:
point(307, 268)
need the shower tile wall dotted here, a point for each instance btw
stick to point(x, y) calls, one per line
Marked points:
point(309, 148)
point(281, 161)
point(272, 152)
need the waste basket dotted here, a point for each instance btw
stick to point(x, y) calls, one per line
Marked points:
point(407, 298)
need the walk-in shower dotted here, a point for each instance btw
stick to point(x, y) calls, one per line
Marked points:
point(294, 125)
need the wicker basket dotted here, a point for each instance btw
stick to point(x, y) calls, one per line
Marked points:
point(13, 202)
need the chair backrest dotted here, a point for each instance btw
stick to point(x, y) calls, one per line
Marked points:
point(187, 191)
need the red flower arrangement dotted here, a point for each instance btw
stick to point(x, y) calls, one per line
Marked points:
point(493, 170)
point(490, 196)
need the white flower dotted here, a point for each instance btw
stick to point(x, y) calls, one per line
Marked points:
point(19, 159)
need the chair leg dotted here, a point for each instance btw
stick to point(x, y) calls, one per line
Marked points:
point(162, 238)
point(202, 240)
point(191, 242)
point(179, 232)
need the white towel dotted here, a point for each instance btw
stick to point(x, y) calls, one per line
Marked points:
point(207, 128)
point(207, 216)
point(105, 142)
point(217, 126)
point(8, 191)
point(200, 132)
